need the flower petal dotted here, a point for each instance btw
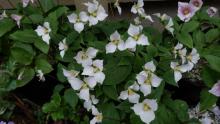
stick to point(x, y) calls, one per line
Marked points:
point(110, 48)
point(75, 83)
point(79, 27)
point(145, 89)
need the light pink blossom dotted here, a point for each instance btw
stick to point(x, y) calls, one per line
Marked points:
point(17, 18)
point(26, 2)
point(215, 89)
point(212, 11)
point(197, 4)
point(185, 11)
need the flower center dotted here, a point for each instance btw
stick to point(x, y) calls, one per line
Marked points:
point(95, 69)
point(115, 42)
point(77, 20)
point(84, 56)
point(186, 11)
point(196, 3)
point(136, 37)
point(130, 91)
point(148, 80)
point(146, 107)
point(46, 31)
point(94, 14)
point(99, 117)
point(74, 73)
point(84, 86)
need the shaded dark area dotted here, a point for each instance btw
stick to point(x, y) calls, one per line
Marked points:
point(188, 90)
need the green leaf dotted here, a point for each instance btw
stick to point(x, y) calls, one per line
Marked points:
point(42, 46)
point(26, 36)
point(213, 61)
point(110, 114)
point(47, 4)
point(54, 16)
point(114, 73)
point(6, 26)
point(134, 119)
point(23, 53)
point(27, 74)
point(169, 78)
point(71, 98)
point(207, 100)
point(185, 39)
point(60, 75)
point(190, 26)
point(180, 108)
point(111, 92)
point(43, 65)
point(209, 76)
point(199, 38)
point(212, 35)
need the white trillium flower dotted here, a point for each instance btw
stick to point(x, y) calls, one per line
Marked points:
point(178, 70)
point(138, 7)
point(63, 47)
point(180, 51)
point(78, 20)
point(131, 94)
point(96, 12)
point(116, 43)
point(197, 4)
point(116, 4)
point(85, 57)
point(95, 70)
point(211, 11)
point(40, 75)
point(162, 17)
point(70, 74)
point(136, 37)
point(146, 110)
point(193, 59)
point(98, 116)
point(17, 18)
point(26, 2)
point(185, 11)
point(44, 31)
point(170, 25)
point(3, 15)
point(147, 78)
point(88, 104)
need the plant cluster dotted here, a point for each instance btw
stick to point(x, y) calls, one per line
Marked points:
point(112, 72)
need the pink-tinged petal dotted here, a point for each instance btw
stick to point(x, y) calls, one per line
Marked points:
point(216, 89)
point(185, 11)
point(17, 18)
point(197, 4)
point(212, 11)
point(25, 3)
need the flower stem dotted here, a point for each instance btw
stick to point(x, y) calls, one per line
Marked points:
point(41, 7)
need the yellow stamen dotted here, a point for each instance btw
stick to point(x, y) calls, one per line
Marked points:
point(130, 92)
point(99, 117)
point(146, 107)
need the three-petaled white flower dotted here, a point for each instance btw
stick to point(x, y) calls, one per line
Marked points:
point(3, 15)
point(197, 4)
point(63, 47)
point(95, 70)
point(136, 37)
point(116, 43)
point(116, 4)
point(26, 2)
point(131, 94)
point(185, 11)
point(17, 18)
point(138, 7)
point(170, 25)
point(146, 110)
point(92, 101)
point(147, 78)
point(192, 59)
point(211, 11)
point(178, 70)
point(78, 20)
point(40, 75)
point(98, 116)
point(44, 32)
point(180, 51)
point(85, 57)
point(96, 12)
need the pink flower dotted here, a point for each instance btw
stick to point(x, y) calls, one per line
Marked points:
point(197, 4)
point(212, 11)
point(185, 11)
point(26, 2)
point(17, 18)
point(215, 89)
